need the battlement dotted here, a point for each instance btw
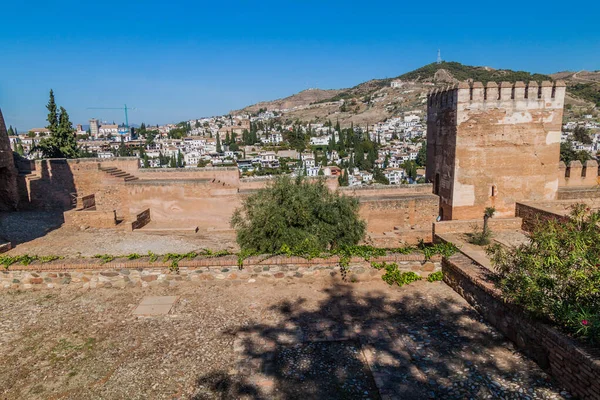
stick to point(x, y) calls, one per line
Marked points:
point(578, 174)
point(499, 95)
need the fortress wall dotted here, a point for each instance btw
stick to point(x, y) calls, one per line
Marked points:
point(228, 175)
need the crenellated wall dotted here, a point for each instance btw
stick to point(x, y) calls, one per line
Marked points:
point(493, 145)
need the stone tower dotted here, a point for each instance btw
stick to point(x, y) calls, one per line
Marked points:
point(493, 146)
point(9, 197)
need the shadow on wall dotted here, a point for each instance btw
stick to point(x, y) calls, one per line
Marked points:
point(46, 185)
point(415, 348)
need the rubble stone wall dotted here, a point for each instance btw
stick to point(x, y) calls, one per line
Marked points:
point(91, 274)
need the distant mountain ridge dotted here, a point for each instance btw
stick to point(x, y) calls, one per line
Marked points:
point(375, 100)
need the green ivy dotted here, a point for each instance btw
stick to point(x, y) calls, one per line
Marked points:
point(435, 276)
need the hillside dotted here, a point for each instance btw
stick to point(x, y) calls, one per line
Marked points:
point(583, 85)
point(299, 99)
point(375, 100)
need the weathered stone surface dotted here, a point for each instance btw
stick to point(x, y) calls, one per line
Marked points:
point(9, 195)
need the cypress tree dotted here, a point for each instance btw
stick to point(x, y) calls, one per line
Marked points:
point(62, 142)
point(219, 150)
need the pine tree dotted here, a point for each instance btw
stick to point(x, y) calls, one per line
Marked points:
point(62, 142)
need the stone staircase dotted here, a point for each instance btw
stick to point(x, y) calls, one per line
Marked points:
point(119, 174)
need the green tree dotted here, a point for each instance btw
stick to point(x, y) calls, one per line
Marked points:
point(411, 169)
point(297, 214)
point(568, 153)
point(61, 143)
point(582, 135)
point(422, 155)
point(219, 149)
point(10, 131)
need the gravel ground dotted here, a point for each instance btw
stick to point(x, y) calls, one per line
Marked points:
point(418, 341)
point(42, 233)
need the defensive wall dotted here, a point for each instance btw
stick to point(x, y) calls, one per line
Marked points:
point(202, 197)
point(493, 145)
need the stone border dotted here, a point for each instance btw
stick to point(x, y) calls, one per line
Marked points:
point(143, 273)
point(574, 365)
point(225, 261)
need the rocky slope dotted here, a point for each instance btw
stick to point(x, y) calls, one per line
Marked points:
point(374, 101)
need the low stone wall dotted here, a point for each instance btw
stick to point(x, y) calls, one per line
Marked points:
point(89, 273)
point(468, 225)
point(90, 218)
point(532, 214)
point(575, 366)
point(142, 219)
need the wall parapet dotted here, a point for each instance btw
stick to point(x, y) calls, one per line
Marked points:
point(575, 365)
point(577, 174)
point(492, 91)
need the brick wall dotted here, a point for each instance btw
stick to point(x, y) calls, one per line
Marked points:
point(467, 226)
point(533, 214)
point(90, 218)
point(89, 273)
point(574, 365)
point(142, 219)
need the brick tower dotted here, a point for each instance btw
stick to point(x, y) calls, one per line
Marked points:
point(493, 145)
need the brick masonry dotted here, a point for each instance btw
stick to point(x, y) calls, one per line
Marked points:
point(90, 273)
point(574, 365)
point(533, 214)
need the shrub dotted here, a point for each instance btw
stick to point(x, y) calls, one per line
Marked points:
point(393, 275)
point(435, 276)
point(557, 274)
point(306, 217)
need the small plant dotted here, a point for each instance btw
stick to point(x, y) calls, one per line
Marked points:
point(47, 259)
point(435, 276)
point(175, 258)
point(105, 258)
point(393, 275)
point(133, 256)
point(482, 237)
point(445, 249)
point(152, 257)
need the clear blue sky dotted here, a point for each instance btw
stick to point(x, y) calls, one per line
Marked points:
point(177, 60)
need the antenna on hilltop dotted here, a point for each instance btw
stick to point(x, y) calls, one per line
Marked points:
point(439, 58)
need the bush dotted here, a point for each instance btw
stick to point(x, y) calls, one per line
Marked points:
point(435, 276)
point(557, 274)
point(298, 215)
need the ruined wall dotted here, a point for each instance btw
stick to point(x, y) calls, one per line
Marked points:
point(228, 175)
point(9, 197)
point(506, 145)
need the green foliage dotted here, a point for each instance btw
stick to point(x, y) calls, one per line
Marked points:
point(393, 275)
point(586, 91)
point(568, 153)
point(306, 217)
point(176, 257)
point(25, 259)
point(435, 276)
point(556, 275)
point(480, 237)
point(105, 257)
point(478, 74)
point(152, 257)
point(133, 256)
point(582, 135)
point(422, 156)
point(445, 249)
point(61, 143)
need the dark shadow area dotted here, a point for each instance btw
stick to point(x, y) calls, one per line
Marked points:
point(45, 190)
point(24, 226)
point(417, 342)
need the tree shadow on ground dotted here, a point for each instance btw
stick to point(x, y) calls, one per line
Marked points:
point(413, 343)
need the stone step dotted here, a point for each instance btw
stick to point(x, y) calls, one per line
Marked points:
point(131, 178)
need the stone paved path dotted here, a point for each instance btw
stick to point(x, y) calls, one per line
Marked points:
point(282, 340)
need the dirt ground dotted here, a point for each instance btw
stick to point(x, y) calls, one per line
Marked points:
point(281, 340)
point(43, 233)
